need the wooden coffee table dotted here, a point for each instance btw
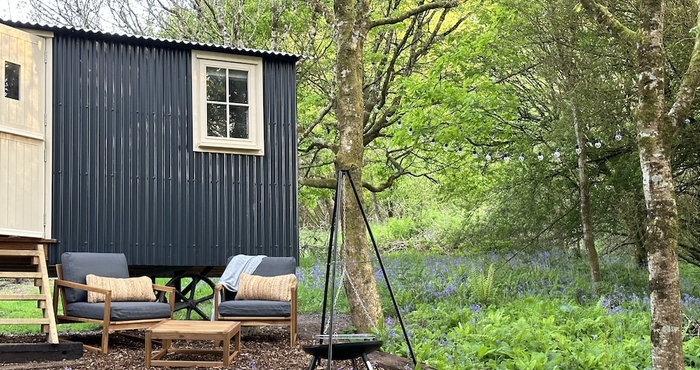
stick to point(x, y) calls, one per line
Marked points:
point(169, 330)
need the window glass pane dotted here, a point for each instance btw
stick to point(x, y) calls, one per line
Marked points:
point(216, 84)
point(239, 122)
point(12, 80)
point(238, 86)
point(216, 120)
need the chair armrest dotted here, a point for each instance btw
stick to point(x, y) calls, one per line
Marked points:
point(163, 288)
point(62, 284)
point(170, 293)
point(74, 285)
point(218, 291)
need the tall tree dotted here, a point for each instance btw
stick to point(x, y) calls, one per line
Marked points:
point(352, 21)
point(657, 126)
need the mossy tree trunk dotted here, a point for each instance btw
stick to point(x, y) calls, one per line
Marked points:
point(360, 285)
point(351, 21)
point(584, 187)
point(656, 130)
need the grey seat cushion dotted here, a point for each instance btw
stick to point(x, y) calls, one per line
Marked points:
point(77, 265)
point(254, 308)
point(120, 311)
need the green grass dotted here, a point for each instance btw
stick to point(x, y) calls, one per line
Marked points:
point(27, 309)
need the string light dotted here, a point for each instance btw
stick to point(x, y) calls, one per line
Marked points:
point(540, 156)
point(410, 131)
point(474, 154)
point(459, 151)
point(618, 136)
point(557, 153)
point(488, 156)
point(521, 157)
point(432, 142)
point(506, 157)
point(421, 137)
point(597, 143)
point(445, 147)
point(578, 149)
point(398, 123)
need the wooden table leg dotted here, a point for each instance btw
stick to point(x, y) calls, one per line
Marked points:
point(149, 348)
point(226, 352)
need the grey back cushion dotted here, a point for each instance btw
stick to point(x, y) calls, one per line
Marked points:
point(275, 266)
point(77, 265)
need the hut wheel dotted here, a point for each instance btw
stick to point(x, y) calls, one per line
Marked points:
point(194, 294)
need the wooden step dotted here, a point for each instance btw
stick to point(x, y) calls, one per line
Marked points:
point(23, 297)
point(25, 321)
point(20, 253)
point(21, 275)
point(29, 263)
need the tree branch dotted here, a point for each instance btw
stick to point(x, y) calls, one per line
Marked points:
point(315, 182)
point(686, 92)
point(303, 135)
point(607, 20)
point(423, 8)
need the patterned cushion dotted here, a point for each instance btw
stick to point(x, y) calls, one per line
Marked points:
point(275, 288)
point(138, 289)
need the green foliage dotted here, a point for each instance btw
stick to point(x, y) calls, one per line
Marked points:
point(481, 286)
point(543, 315)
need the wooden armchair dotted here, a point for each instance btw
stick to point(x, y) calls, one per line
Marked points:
point(259, 311)
point(107, 305)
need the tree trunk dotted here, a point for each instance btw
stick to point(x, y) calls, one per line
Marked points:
point(360, 285)
point(585, 194)
point(640, 252)
point(662, 228)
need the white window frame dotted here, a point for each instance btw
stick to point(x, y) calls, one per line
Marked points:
point(254, 145)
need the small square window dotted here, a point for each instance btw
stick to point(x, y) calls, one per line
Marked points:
point(12, 80)
point(227, 98)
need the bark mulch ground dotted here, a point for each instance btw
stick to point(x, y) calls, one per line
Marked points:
point(262, 348)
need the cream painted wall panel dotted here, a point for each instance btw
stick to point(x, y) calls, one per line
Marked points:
point(22, 136)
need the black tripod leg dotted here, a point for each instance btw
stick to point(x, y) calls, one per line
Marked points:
point(312, 365)
point(366, 360)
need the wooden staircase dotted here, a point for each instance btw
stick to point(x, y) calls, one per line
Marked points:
point(25, 258)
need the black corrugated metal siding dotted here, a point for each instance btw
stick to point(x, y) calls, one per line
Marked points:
point(125, 176)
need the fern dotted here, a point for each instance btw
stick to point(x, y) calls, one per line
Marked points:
point(481, 286)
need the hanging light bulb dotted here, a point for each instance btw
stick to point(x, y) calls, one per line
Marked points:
point(578, 149)
point(432, 142)
point(460, 151)
point(540, 156)
point(521, 157)
point(445, 147)
point(410, 131)
point(557, 153)
point(597, 143)
point(474, 154)
point(506, 157)
point(488, 156)
point(398, 124)
point(618, 135)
